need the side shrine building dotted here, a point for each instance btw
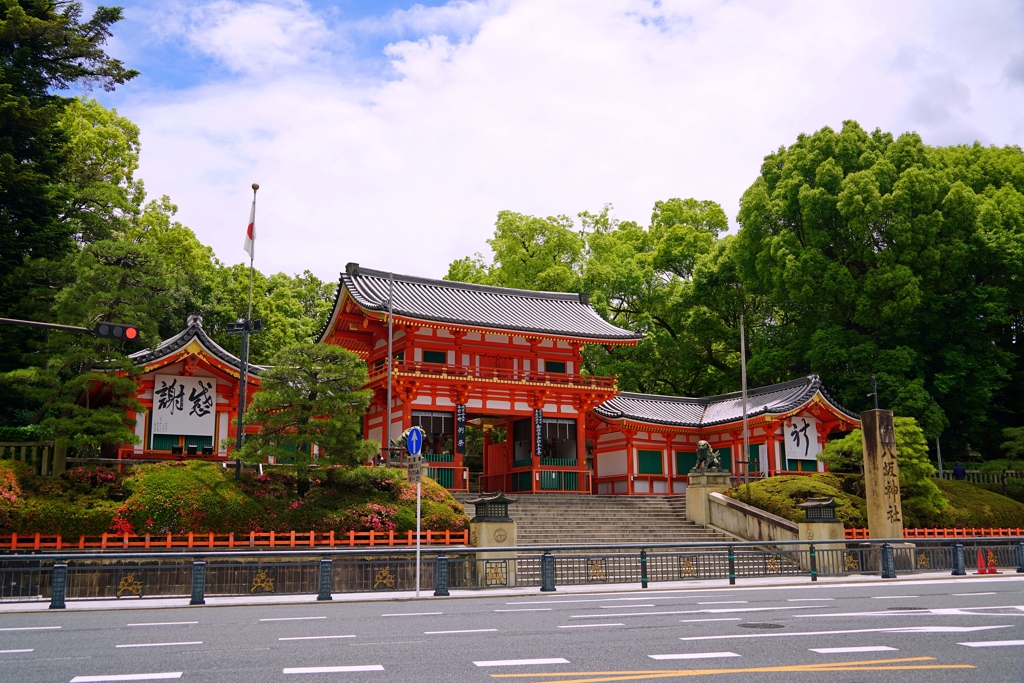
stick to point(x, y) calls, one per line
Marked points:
point(497, 357)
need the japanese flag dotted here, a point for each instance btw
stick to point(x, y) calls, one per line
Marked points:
point(250, 232)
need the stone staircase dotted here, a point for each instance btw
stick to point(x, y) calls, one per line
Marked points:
point(565, 519)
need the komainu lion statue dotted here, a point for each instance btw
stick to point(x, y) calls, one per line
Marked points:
point(707, 457)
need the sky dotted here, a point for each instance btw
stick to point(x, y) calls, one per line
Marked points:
point(391, 133)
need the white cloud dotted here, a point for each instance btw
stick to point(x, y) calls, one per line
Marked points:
point(248, 38)
point(548, 107)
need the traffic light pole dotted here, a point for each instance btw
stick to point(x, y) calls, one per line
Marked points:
point(46, 326)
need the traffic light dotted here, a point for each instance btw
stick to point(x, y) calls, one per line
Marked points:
point(116, 331)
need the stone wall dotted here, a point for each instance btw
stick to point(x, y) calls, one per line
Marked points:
point(748, 522)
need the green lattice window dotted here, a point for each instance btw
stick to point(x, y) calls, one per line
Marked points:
point(649, 462)
point(685, 461)
point(554, 366)
point(435, 357)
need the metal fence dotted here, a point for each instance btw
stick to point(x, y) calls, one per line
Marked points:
point(290, 572)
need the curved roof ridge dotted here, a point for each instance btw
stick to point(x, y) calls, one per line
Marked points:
point(713, 410)
point(554, 314)
point(193, 330)
point(492, 289)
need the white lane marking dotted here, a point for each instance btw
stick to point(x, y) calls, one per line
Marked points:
point(690, 611)
point(906, 629)
point(293, 618)
point(127, 677)
point(314, 637)
point(620, 607)
point(695, 655)
point(165, 623)
point(187, 642)
point(31, 628)
point(521, 662)
point(468, 630)
point(994, 643)
point(842, 650)
point(893, 597)
point(412, 614)
point(527, 609)
point(809, 599)
point(646, 597)
point(703, 621)
point(589, 625)
point(332, 669)
point(5, 652)
point(725, 602)
point(960, 595)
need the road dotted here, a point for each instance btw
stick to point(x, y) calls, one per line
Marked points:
point(934, 631)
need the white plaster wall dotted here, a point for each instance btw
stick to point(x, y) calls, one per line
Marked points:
point(611, 463)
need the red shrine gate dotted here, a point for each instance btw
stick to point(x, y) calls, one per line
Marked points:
point(496, 357)
point(488, 356)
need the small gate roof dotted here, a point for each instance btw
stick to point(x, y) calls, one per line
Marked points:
point(193, 331)
point(681, 411)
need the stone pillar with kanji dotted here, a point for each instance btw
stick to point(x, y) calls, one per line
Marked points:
point(881, 475)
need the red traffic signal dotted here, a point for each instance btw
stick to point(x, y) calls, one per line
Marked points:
point(116, 331)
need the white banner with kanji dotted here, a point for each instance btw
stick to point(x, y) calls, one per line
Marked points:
point(184, 405)
point(801, 435)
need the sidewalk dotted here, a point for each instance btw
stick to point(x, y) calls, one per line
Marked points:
point(761, 583)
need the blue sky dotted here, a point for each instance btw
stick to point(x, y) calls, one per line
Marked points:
point(392, 133)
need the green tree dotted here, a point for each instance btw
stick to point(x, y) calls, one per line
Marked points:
point(45, 48)
point(311, 397)
point(888, 257)
point(921, 499)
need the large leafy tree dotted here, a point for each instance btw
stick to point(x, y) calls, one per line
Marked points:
point(45, 47)
point(312, 396)
point(892, 258)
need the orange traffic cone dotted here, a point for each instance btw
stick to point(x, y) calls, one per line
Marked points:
point(983, 568)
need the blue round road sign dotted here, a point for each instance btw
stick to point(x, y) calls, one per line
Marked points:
point(414, 441)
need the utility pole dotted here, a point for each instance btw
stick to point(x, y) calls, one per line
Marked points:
point(743, 370)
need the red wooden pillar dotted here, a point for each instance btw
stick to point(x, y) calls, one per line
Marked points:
point(630, 461)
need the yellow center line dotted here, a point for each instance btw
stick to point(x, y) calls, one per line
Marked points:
point(864, 665)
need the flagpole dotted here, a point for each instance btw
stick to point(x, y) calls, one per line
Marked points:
point(391, 336)
point(244, 375)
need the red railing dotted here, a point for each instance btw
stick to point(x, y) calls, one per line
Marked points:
point(254, 539)
point(402, 367)
point(130, 453)
point(958, 532)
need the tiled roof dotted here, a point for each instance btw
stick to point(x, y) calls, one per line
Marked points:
point(680, 411)
point(193, 330)
point(499, 308)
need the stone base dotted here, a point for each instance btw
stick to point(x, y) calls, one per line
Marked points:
point(820, 533)
point(703, 482)
point(498, 568)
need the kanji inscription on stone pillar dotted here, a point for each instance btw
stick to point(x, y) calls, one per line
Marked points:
point(881, 475)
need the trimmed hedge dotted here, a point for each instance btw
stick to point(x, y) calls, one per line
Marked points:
point(968, 505)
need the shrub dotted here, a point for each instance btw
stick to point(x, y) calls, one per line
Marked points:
point(49, 516)
point(10, 492)
point(781, 495)
point(179, 497)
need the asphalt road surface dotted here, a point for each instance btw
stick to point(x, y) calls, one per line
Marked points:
point(934, 631)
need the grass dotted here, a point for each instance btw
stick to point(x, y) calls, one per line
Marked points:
point(967, 505)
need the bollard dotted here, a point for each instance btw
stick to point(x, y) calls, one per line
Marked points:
point(814, 563)
point(547, 572)
point(60, 585)
point(888, 562)
point(441, 576)
point(198, 583)
point(324, 592)
point(1020, 557)
point(643, 568)
point(732, 566)
point(959, 563)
